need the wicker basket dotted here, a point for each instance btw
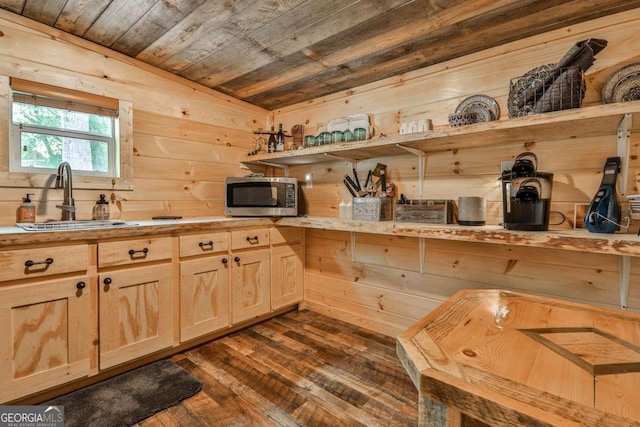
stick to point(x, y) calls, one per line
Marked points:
point(545, 89)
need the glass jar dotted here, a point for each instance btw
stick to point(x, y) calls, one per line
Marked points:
point(101, 209)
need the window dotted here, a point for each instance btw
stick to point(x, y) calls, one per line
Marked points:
point(49, 127)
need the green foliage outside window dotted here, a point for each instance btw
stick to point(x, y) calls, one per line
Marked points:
point(51, 135)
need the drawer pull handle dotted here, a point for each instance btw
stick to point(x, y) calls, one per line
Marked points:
point(30, 263)
point(141, 251)
point(107, 281)
point(237, 259)
point(225, 261)
point(253, 239)
point(81, 285)
point(208, 244)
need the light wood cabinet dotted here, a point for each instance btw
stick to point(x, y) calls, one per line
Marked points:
point(136, 313)
point(46, 333)
point(204, 284)
point(134, 251)
point(287, 266)
point(136, 302)
point(250, 274)
point(38, 262)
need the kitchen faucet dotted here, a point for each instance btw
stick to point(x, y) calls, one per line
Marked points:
point(68, 206)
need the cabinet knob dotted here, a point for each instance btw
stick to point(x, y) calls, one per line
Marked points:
point(237, 259)
point(107, 280)
point(253, 239)
point(81, 285)
point(225, 261)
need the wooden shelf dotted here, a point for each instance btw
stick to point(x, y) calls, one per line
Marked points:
point(581, 122)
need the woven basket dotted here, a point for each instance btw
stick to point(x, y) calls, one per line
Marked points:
point(545, 89)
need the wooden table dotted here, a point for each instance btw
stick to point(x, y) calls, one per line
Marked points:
point(506, 359)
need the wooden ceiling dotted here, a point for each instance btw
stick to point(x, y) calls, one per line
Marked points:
point(274, 53)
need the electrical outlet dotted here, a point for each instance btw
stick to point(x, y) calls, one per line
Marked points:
point(505, 165)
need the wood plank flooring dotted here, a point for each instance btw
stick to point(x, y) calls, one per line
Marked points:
point(298, 369)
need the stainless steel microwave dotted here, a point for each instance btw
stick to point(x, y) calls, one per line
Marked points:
point(261, 196)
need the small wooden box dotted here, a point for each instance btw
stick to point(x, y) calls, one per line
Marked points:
point(372, 208)
point(430, 211)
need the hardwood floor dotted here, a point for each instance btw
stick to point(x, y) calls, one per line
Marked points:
point(298, 369)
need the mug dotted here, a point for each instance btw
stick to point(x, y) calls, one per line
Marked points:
point(336, 136)
point(425, 125)
point(404, 128)
point(309, 141)
point(360, 133)
point(348, 136)
point(413, 127)
point(323, 138)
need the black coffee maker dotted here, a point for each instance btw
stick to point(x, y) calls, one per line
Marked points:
point(526, 195)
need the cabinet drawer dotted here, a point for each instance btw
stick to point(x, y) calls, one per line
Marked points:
point(242, 239)
point(134, 251)
point(202, 244)
point(39, 262)
point(289, 235)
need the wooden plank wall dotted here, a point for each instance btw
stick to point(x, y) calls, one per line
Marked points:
point(383, 287)
point(187, 138)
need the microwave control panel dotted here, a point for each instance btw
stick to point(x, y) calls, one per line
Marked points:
point(290, 195)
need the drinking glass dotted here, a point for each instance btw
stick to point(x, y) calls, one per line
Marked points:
point(360, 134)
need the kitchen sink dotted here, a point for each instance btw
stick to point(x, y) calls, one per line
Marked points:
point(72, 225)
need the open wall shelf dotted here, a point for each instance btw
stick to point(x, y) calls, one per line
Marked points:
point(596, 120)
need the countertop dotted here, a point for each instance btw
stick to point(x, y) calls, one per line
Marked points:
point(575, 240)
point(14, 235)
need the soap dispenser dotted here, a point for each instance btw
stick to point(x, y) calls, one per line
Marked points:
point(27, 210)
point(101, 209)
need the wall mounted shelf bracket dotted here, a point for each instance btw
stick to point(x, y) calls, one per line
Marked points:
point(354, 162)
point(276, 165)
point(624, 148)
point(421, 165)
point(625, 272)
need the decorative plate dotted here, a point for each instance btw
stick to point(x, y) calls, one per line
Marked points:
point(485, 108)
point(622, 85)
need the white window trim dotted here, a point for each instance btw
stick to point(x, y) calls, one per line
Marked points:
point(124, 156)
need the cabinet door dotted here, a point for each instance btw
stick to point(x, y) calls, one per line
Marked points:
point(45, 336)
point(287, 275)
point(136, 313)
point(250, 282)
point(204, 296)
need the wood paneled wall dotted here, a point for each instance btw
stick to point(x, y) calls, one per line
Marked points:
point(187, 138)
point(381, 286)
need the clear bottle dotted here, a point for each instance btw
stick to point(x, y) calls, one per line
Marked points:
point(101, 209)
point(345, 209)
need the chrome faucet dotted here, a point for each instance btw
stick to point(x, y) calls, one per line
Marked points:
point(68, 205)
